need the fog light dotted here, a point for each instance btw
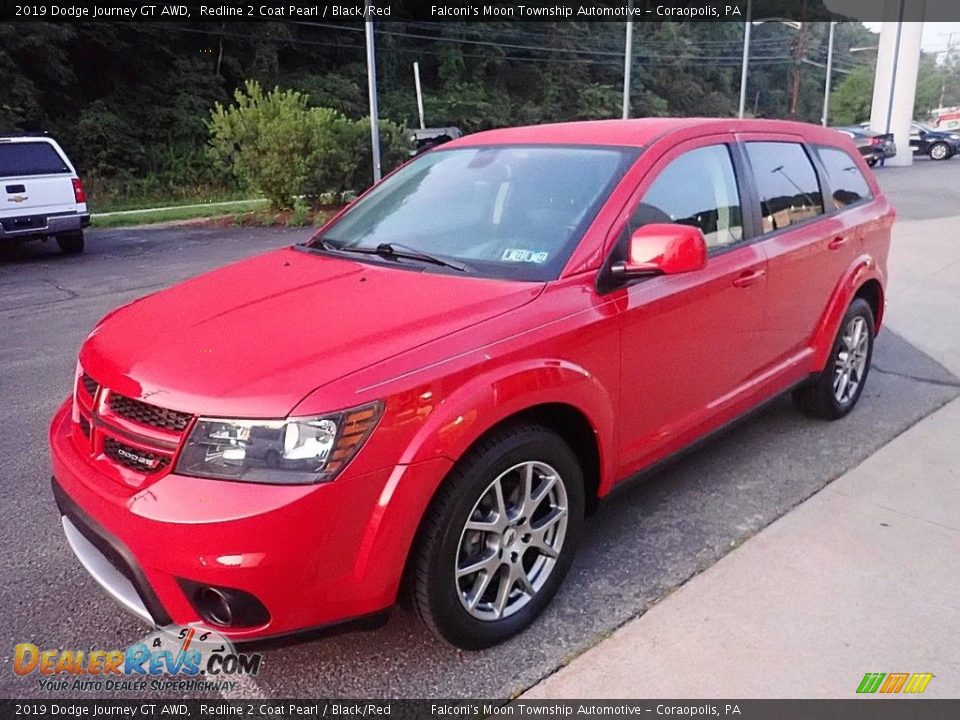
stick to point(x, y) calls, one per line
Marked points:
point(214, 606)
point(225, 606)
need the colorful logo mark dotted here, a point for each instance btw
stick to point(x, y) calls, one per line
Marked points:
point(914, 683)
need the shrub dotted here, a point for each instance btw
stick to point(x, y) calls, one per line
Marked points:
point(276, 144)
point(300, 215)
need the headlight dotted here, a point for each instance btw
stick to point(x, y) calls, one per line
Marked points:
point(294, 451)
point(955, 136)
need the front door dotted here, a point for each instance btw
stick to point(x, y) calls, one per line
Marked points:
point(689, 341)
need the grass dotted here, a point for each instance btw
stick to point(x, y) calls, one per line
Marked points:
point(148, 217)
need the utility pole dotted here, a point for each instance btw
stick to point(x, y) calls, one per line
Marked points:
point(627, 53)
point(826, 88)
point(372, 93)
point(746, 59)
point(947, 58)
point(797, 66)
point(416, 81)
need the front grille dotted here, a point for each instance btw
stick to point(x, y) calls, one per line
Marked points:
point(134, 458)
point(89, 384)
point(84, 426)
point(151, 415)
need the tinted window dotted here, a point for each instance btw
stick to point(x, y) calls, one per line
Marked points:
point(787, 183)
point(506, 211)
point(30, 158)
point(699, 188)
point(847, 183)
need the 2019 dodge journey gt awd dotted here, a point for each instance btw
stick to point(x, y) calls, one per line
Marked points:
point(427, 397)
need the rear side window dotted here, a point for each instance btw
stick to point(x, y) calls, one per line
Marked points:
point(699, 188)
point(30, 158)
point(847, 183)
point(786, 182)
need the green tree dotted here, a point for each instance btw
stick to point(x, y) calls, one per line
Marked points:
point(850, 102)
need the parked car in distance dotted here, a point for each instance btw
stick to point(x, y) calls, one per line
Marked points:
point(938, 144)
point(873, 146)
point(924, 140)
point(42, 195)
point(427, 138)
point(458, 366)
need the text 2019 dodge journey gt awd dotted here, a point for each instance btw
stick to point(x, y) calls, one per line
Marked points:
point(427, 397)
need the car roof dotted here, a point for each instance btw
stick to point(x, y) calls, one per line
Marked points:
point(634, 133)
point(22, 137)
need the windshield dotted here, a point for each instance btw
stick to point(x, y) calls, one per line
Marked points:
point(513, 212)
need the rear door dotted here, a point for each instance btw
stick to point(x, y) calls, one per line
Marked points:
point(35, 178)
point(807, 251)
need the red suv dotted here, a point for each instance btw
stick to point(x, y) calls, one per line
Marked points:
point(430, 394)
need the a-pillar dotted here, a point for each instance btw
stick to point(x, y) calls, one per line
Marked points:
point(895, 85)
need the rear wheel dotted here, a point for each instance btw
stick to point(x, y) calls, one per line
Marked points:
point(940, 151)
point(499, 537)
point(836, 390)
point(71, 243)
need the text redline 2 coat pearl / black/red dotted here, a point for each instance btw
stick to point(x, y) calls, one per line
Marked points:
point(428, 396)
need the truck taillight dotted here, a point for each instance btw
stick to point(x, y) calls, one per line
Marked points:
point(79, 194)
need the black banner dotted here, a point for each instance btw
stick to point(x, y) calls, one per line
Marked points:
point(854, 709)
point(478, 10)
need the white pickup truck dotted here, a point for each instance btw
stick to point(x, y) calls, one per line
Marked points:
point(41, 195)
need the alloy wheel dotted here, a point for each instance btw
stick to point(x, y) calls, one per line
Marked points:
point(938, 152)
point(851, 361)
point(511, 541)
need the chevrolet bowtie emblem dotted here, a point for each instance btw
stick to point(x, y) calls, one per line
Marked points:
point(17, 198)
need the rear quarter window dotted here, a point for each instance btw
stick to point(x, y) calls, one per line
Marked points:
point(847, 183)
point(30, 158)
point(787, 183)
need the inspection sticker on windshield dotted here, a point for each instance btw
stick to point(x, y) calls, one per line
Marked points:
point(527, 256)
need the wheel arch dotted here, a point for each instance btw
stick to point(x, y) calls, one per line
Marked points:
point(872, 292)
point(567, 421)
point(863, 279)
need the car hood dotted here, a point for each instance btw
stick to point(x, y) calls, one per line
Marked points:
point(253, 338)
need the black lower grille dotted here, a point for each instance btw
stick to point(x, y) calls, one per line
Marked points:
point(84, 426)
point(134, 458)
point(89, 384)
point(151, 415)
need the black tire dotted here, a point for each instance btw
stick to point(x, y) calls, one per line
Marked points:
point(819, 398)
point(940, 151)
point(71, 243)
point(433, 588)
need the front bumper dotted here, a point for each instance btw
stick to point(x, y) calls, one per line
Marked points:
point(311, 555)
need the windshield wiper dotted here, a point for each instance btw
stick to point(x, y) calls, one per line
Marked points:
point(395, 250)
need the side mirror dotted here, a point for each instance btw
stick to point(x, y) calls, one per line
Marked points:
point(662, 249)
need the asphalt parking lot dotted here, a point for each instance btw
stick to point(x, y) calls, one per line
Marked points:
point(645, 541)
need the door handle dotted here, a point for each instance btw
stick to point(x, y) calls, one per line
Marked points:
point(748, 278)
point(837, 243)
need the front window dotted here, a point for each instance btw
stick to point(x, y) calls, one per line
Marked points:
point(514, 212)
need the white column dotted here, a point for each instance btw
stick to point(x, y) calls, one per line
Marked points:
point(895, 85)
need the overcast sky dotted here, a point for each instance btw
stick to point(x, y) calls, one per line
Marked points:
point(935, 34)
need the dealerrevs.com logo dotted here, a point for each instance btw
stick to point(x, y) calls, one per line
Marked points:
point(171, 659)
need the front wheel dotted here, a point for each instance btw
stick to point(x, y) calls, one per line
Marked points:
point(499, 537)
point(835, 391)
point(940, 151)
